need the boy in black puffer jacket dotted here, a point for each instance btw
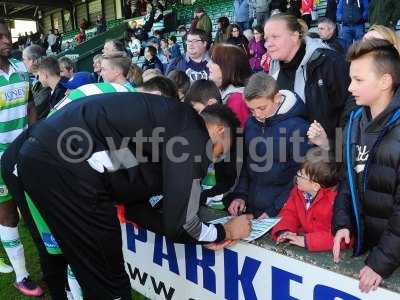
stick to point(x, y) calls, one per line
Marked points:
point(368, 202)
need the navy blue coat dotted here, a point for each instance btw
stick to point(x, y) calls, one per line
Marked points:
point(352, 12)
point(271, 158)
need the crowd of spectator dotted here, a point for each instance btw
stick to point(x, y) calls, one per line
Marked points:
point(50, 42)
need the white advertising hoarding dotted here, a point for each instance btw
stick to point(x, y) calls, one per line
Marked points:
point(160, 269)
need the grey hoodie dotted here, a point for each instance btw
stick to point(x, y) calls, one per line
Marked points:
point(301, 72)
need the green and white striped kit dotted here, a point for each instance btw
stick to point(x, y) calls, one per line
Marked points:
point(14, 94)
point(92, 89)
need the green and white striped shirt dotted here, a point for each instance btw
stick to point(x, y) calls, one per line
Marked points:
point(92, 89)
point(14, 94)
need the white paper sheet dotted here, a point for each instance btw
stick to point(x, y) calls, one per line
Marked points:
point(259, 227)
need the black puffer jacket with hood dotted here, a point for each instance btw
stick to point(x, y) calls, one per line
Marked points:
point(369, 198)
point(320, 83)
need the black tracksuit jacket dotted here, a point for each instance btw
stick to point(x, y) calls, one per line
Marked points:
point(110, 122)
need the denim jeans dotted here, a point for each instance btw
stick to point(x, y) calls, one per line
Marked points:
point(351, 33)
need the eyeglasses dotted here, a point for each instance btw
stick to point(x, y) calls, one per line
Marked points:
point(193, 41)
point(298, 175)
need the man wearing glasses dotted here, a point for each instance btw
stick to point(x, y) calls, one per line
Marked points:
point(194, 64)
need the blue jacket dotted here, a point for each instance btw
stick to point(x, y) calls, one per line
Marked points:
point(241, 8)
point(154, 63)
point(352, 12)
point(175, 51)
point(271, 159)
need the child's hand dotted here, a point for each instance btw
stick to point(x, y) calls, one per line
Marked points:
point(297, 240)
point(342, 234)
point(369, 279)
point(285, 236)
point(317, 135)
point(236, 207)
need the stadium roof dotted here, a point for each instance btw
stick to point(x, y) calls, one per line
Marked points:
point(29, 9)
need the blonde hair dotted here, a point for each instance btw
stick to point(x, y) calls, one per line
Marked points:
point(293, 24)
point(135, 74)
point(304, 27)
point(388, 34)
point(261, 85)
point(150, 73)
point(97, 57)
point(119, 60)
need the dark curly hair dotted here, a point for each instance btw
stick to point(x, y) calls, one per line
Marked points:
point(164, 85)
point(218, 113)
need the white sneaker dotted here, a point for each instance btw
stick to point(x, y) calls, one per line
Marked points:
point(4, 268)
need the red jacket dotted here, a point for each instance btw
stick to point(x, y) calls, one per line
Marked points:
point(314, 223)
point(265, 61)
point(306, 6)
point(81, 37)
point(233, 97)
point(237, 104)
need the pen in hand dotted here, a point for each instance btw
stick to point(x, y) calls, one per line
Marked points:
point(241, 211)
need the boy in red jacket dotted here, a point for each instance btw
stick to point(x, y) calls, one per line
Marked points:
point(307, 215)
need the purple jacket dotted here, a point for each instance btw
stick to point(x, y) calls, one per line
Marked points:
point(256, 51)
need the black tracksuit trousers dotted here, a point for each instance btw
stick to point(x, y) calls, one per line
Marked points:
point(54, 267)
point(80, 213)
